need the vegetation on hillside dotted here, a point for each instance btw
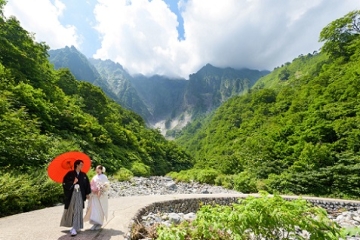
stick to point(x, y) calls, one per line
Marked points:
point(45, 112)
point(297, 131)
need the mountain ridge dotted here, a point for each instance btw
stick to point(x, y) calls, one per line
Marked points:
point(165, 103)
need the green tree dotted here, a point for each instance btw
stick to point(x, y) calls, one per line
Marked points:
point(339, 33)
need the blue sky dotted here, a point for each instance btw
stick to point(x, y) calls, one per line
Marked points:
point(177, 37)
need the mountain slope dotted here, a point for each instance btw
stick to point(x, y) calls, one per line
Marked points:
point(71, 58)
point(176, 102)
point(163, 96)
point(211, 86)
point(80, 67)
point(298, 135)
point(120, 83)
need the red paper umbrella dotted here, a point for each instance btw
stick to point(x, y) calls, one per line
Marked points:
point(65, 162)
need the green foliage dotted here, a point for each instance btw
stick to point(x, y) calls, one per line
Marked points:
point(350, 232)
point(123, 174)
point(284, 74)
point(184, 175)
point(140, 169)
point(244, 182)
point(265, 217)
point(23, 192)
point(339, 34)
point(298, 136)
point(227, 181)
point(206, 175)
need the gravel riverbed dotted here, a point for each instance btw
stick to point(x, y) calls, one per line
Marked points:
point(140, 186)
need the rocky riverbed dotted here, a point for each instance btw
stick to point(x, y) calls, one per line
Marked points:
point(140, 186)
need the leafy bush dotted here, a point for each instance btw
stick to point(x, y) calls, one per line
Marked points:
point(244, 182)
point(184, 175)
point(207, 176)
point(198, 175)
point(123, 175)
point(140, 169)
point(26, 192)
point(226, 181)
point(265, 217)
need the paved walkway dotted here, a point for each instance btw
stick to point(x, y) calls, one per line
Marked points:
point(44, 224)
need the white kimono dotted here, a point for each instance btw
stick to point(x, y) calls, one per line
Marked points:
point(98, 205)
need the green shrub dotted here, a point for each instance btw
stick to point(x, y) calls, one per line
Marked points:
point(22, 192)
point(265, 217)
point(184, 175)
point(123, 174)
point(244, 182)
point(140, 169)
point(226, 181)
point(207, 176)
point(199, 175)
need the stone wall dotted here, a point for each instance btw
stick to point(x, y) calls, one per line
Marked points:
point(193, 205)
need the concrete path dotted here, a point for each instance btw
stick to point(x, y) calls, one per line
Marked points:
point(44, 224)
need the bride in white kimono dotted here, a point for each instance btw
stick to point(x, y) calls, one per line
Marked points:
point(98, 202)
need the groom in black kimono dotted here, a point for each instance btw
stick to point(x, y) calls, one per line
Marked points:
point(71, 179)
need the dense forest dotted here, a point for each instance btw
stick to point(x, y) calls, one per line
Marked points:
point(297, 131)
point(45, 112)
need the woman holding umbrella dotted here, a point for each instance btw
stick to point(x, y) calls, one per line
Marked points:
point(76, 187)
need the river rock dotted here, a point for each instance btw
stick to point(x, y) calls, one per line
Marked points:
point(190, 216)
point(174, 218)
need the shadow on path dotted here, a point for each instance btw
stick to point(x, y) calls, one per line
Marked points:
point(103, 234)
point(106, 234)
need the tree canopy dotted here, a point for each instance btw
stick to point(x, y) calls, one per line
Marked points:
point(339, 34)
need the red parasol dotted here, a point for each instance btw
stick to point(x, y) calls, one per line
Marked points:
point(65, 162)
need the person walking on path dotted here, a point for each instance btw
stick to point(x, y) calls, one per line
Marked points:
point(76, 187)
point(98, 202)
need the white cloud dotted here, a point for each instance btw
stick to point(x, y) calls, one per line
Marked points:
point(261, 34)
point(140, 34)
point(42, 18)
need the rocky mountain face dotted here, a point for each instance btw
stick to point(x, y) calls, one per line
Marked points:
point(163, 102)
point(120, 83)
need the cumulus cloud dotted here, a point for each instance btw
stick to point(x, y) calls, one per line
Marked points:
point(139, 34)
point(42, 18)
point(260, 34)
